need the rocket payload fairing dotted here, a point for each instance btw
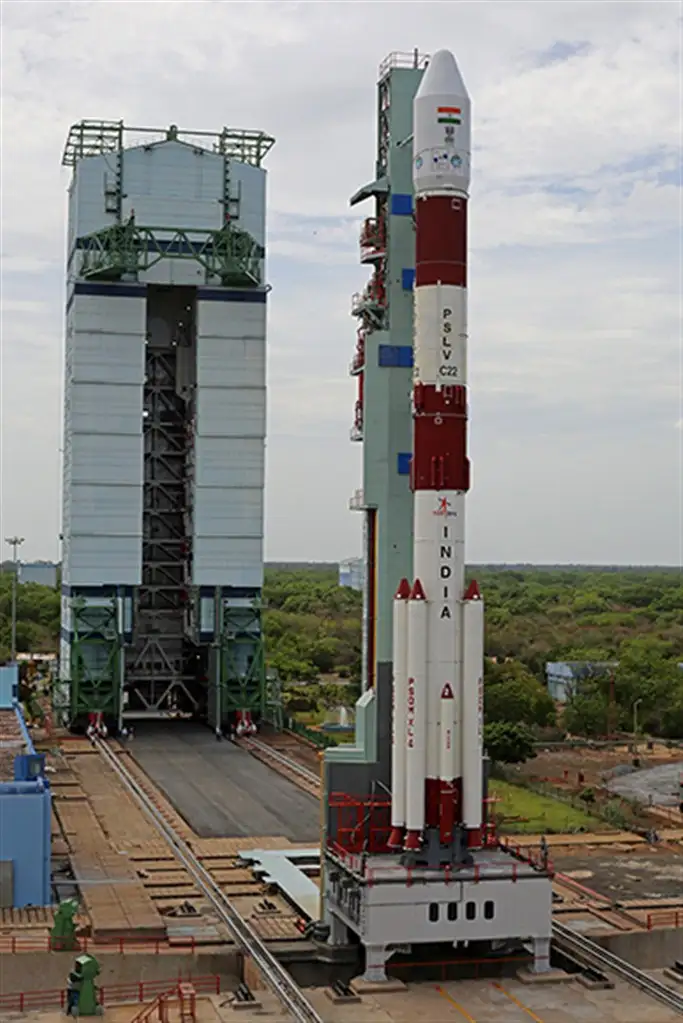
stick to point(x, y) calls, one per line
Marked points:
point(437, 745)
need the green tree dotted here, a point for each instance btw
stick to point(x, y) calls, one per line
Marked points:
point(513, 694)
point(586, 712)
point(508, 743)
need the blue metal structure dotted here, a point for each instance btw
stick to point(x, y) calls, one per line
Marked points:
point(25, 822)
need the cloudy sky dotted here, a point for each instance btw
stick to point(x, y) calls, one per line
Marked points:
point(575, 300)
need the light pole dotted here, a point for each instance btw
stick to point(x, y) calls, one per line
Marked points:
point(15, 543)
point(635, 718)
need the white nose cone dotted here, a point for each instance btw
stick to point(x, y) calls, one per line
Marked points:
point(441, 129)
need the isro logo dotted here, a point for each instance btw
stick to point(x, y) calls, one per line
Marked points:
point(444, 509)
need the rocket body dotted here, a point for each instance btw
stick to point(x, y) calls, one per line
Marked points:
point(443, 654)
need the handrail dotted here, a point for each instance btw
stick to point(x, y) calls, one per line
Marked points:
point(664, 918)
point(275, 975)
point(140, 991)
point(148, 1011)
point(11, 944)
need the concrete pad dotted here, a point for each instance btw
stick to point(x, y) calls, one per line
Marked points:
point(220, 789)
point(549, 977)
point(365, 987)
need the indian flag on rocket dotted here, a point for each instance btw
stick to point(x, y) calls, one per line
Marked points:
point(448, 115)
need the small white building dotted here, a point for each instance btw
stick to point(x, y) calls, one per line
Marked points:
point(44, 573)
point(563, 678)
point(352, 573)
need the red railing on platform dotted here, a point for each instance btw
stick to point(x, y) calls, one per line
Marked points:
point(9, 945)
point(474, 967)
point(362, 825)
point(664, 918)
point(158, 1008)
point(23, 1001)
point(528, 855)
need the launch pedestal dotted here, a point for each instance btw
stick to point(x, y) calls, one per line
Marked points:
point(391, 907)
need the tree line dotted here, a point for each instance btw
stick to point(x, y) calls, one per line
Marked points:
point(533, 615)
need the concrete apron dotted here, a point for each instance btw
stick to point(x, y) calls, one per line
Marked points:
point(648, 950)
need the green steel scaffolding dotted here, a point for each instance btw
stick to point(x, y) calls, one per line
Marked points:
point(240, 665)
point(126, 250)
point(96, 659)
point(93, 138)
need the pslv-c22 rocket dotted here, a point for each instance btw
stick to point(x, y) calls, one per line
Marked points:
point(438, 647)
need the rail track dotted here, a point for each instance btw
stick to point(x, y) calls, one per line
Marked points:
point(300, 775)
point(274, 974)
point(600, 958)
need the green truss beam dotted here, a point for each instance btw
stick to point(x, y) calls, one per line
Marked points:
point(126, 250)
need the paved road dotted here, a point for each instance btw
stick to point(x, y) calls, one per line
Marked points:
point(659, 782)
point(220, 790)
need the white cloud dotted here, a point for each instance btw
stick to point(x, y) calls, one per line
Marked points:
point(575, 313)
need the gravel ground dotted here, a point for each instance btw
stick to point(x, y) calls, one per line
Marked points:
point(659, 782)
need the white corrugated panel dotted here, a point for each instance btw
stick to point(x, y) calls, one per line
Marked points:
point(110, 510)
point(113, 358)
point(173, 185)
point(249, 183)
point(122, 315)
point(105, 459)
point(229, 446)
point(225, 561)
point(106, 408)
point(234, 512)
point(231, 412)
point(90, 178)
point(239, 463)
point(230, 320)
point(110, 560)
point(232, 362)
point(103, 456)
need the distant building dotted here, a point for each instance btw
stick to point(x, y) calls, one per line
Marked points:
point(352, 573)
point(564, 677)
point(42, 572)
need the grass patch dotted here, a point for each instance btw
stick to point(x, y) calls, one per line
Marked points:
point(539, 813)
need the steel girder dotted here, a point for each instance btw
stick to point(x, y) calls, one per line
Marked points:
point(126, 250)
point(156, 673)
